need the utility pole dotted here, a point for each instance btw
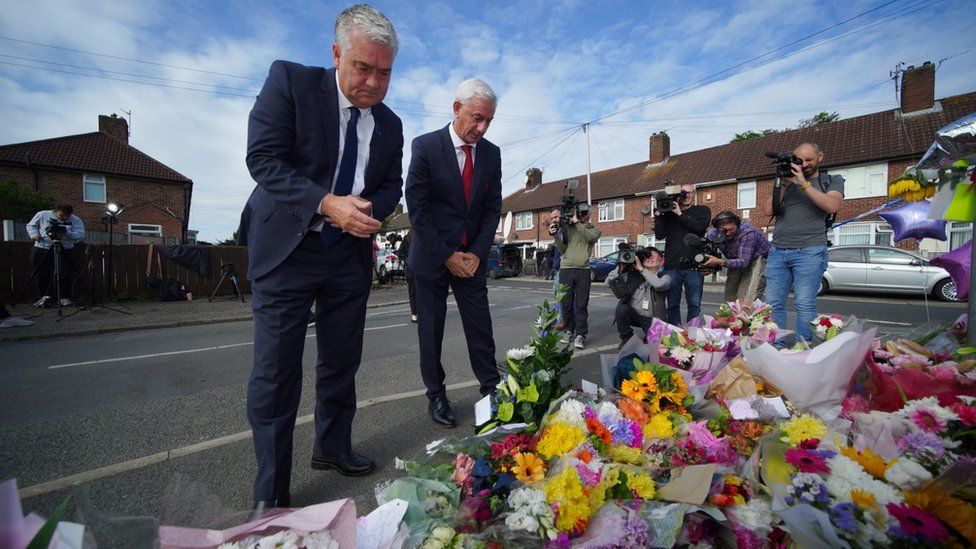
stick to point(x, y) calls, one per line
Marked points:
point(586, 130)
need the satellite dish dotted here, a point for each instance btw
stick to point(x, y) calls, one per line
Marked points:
point(507, 226)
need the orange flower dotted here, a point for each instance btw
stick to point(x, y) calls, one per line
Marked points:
point(955, 512)
point(632, 389)
point(874, 464)
point(633, 410)
point(646, 381)
point(594, 426)
point(529, 468)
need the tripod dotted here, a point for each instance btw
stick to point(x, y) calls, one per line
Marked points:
point(93, 301)
point(227, 271)
point(57, 248)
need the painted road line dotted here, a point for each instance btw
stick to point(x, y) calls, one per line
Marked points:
point(160, 457)
point(184, 351)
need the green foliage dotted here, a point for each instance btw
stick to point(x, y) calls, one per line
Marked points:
point(43, 537)
point(822, 117)
point(752, 134)
point(19, 203)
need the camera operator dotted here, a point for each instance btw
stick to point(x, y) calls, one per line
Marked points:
point(46, 226)
point(744, 249)
point(798, 255)
point(575, 241)
point(641, 289)
point(679, 258)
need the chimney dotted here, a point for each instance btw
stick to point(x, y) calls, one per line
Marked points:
point(533, 178)
point(115, 127)
point(660, 147)
point(918, 88)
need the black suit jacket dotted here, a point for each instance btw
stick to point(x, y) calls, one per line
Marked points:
point(292, 154)
point(435, 202)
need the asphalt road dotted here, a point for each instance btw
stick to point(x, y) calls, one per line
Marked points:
point(152, 424)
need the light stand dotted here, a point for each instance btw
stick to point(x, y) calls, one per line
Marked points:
point(111, 219)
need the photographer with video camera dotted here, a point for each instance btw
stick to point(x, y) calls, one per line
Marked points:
point(641, 288)
point(45, 228)
point(575, 241)
point(804, 203)
point(676, 217)
point(744, 249)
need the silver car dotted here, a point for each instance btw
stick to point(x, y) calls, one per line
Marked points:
point(883, 269)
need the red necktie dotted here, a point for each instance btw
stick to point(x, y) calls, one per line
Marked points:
point(466, 173)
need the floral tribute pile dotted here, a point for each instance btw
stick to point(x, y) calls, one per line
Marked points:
point(666, 457)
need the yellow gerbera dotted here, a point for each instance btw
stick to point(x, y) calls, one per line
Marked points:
point(632, 389)
point(529, 468)
point(874, 464)
point(646, 380)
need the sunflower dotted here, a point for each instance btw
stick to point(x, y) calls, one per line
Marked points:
point(958, 514)
point(529, 468)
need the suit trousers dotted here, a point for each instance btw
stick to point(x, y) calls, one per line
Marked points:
point(338, 281)
point(471, 295)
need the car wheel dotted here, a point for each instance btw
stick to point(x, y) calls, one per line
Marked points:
point(946, 290)
point(492, 274)
point(822, 289)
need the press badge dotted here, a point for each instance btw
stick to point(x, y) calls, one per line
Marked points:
point(646, 304)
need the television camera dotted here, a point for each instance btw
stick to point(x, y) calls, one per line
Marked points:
point(56, 229)
point(784, 163)
point(667, 197)
point(569, 206)
point(705, 245)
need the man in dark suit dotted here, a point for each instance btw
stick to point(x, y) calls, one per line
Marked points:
point(326, 155)
point(454, 198)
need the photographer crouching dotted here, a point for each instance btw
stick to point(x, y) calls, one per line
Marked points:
point(45, 228)
point(641, 288)
point(744, 250)
point(676, 217)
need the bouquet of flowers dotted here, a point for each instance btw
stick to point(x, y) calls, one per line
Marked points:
point(678, 350)
point(827, 326)
point(750, 322)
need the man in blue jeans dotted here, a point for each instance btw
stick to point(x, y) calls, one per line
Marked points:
point(673, 226)
point(798, 255)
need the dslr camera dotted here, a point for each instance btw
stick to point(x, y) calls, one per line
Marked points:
point(667, 197)
point(56, 229)
point(784, 163)
point(570, 205)
point(705, 245)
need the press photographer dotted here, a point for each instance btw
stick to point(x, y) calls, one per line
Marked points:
point(45, 228)
point(575, 241)
point(804, 201)
point(743, 252)
point(641, 288)
point(675, 217)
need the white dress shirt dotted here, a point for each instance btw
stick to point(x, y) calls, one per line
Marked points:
point(459, 152)
point(364, 134)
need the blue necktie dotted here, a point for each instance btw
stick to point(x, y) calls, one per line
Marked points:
point(347, 172)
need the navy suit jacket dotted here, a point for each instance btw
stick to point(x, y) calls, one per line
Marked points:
point(292, 154)
point(435, 202)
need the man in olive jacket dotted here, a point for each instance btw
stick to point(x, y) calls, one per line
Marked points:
point(575, 242)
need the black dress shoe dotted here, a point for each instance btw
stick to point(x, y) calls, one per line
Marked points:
point(350, 465)
point(442, 414)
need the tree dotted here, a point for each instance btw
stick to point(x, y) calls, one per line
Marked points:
point(822, 117)
point(752, 134)
point(232, 241)
point(20, 204)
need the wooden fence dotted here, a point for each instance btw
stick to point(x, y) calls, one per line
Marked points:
point(128, 272)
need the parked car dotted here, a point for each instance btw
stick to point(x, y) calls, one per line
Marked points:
point(600, 267)
point(504, 260)
point(387, 264)
point(884, 269)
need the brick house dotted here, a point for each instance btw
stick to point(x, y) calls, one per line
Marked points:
point(867, 150)
point(90, 170)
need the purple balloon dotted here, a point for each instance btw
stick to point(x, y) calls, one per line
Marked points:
point(910, 220)
point(958, 262)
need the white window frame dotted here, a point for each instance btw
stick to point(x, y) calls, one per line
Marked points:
point(157, 230)
point(520, 218)
point(612, 241)
point(605, 214)
point(94, 179)
point(863, 233)
point(961, 231)
point(871, 180)
point(745, 186)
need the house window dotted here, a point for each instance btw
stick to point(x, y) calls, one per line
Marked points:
point(95, 188)
point(959, 233)
point(862, 233)
point(648, 240)
point(883, 234)
point(523, 221)
point(747, 195)
point(611, 210)
point(608, 244)
point(864, 181)
point(145, 230)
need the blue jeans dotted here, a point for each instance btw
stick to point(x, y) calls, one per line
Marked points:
point(800, 269)
point(693, 283)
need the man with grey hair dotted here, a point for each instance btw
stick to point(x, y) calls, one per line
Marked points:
point(326, 155)
point(454, 198)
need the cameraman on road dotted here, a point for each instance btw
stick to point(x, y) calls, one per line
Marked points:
point(575, 242)
point(798, 255)
point(641, 289)
point(745, 249)
point(679, 263)
point(69, 229)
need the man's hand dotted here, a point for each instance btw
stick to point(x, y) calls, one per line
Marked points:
point(472, 261)
point(573, 220)
point(712, 261)
point(677, 208)
point(459, 265)
point(351, 214)
point(36, 238)
point(798, 178)
point(638, 265)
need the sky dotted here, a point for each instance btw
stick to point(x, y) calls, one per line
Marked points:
point(188, 72)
